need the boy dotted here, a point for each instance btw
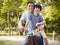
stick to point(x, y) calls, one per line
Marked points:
point(36, 20)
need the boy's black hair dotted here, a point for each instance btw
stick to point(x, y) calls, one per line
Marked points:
point(38, 6)
point(30, 2)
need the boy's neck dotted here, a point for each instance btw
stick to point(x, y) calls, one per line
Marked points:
point(35, 14)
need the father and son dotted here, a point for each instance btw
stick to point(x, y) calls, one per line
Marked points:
point(34, 20)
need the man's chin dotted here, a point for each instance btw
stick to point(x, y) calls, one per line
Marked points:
point(30, 11)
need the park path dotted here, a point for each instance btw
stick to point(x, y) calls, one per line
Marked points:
point(22, 38)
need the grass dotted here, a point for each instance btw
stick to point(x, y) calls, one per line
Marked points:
point(15, 33)
point(58, 37)
point(7, 42)
point(49, 35)
point(5, 33)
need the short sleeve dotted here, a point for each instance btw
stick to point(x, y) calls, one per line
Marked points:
point(23, 17)
point(41, 18)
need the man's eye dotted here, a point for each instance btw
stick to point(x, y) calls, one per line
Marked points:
point(32, 6)
point(29, 5)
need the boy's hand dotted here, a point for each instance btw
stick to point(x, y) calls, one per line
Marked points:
point(38, 24)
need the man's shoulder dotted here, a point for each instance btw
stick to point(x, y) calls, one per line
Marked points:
point(25, 12)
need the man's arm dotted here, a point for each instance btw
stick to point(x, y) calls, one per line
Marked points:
point(20, 24)
point(20, 27)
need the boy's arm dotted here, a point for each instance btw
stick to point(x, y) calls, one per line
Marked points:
point(41, 23)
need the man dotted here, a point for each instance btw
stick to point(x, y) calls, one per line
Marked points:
point(25, 16)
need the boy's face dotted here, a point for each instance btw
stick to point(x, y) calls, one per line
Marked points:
point(36, 10)
point(30, 7)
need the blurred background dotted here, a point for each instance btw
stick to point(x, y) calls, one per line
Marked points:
point(11, 11)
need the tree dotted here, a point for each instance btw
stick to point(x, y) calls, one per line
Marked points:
point(11, 11)
point(51, 14)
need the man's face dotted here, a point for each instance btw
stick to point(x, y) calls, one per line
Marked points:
point(30, 7)
point(36, 10)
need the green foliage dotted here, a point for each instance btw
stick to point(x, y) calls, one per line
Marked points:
point(11, 11)
point(52, 15)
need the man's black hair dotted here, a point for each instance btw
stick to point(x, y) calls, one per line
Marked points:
point(30, 2)
point(38, 6)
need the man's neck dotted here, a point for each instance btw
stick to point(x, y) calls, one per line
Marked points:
point(30, 12)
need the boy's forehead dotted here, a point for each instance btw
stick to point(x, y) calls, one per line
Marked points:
point(36, 8)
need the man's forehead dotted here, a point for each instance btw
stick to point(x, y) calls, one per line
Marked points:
point(30, 4)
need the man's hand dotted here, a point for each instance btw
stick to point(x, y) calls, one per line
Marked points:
point(21, 29)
